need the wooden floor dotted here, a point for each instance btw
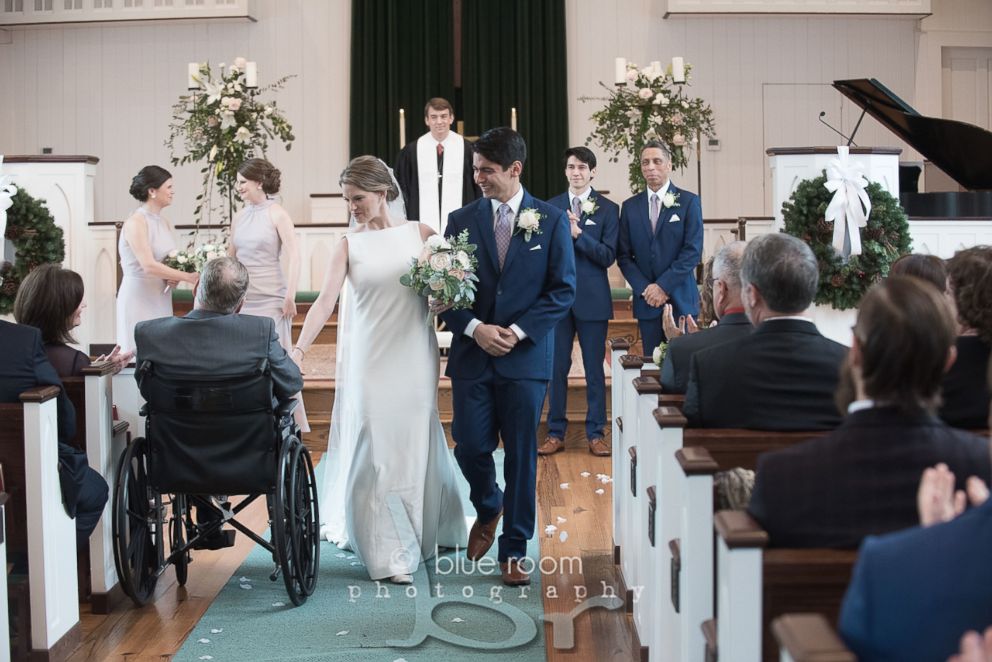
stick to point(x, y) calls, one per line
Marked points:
point(157, 631)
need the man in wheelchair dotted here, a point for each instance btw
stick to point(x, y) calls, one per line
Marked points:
point(214, 342)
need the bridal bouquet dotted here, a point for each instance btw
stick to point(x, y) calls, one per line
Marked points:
point(445, 271)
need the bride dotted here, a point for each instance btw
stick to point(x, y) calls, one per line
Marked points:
point(390, 490)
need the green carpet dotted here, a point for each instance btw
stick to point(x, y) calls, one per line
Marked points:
point(350, 617)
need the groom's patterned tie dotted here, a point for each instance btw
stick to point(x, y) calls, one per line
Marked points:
point(655, 211)
point(503, 232)
point(577, 207)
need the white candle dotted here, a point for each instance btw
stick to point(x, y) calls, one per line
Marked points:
point(513, 118)
point(251, 74)
point(678, 70)
point(620, 71)
point(192, 73)
point(656, 67)
point(402, 128)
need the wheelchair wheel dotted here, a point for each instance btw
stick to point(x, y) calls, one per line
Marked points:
point(294, 521)
point(177, 537)
point(136, 526)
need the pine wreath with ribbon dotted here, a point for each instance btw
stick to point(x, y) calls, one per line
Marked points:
point(37, 240)
point(886, 236)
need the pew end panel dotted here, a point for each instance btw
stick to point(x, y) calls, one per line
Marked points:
point(809, 638)
point(618, 347)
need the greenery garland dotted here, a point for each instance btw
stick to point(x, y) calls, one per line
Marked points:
point(886, 236)
point(37, 240)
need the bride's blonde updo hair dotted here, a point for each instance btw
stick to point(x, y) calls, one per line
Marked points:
point(369, 174)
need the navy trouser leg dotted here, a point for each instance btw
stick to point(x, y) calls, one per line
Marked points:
point(558, 389)
point(474, 428)
point(93, 494)
point(592, 342)
point(518, 410)
point(651, 334)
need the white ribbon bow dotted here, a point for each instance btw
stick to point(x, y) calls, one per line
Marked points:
point(7, 191)
point(846, 180)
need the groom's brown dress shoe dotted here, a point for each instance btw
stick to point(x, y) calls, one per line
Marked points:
point(481, 537)
point(599, 447)
point(551, 446)
point(513, 575)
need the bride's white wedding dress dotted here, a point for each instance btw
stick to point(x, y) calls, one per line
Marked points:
point(390, 489)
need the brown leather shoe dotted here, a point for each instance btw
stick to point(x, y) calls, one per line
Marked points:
point(551, 446)
point(513, 575)
point(481, 538)
point(599, 447)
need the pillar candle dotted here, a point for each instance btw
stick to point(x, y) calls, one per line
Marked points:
point(251, 74)
point(678, 70)
point(402, 128)
point(656, 67)
point(620, 71)
point(513, 118)
point(192, 73)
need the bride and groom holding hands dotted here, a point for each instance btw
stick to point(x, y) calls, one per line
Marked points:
point(390, 491)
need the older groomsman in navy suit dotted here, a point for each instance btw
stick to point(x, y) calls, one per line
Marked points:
point(661, 241)
point(594, 223)
point(502, 350)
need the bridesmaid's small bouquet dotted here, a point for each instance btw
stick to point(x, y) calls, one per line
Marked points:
point(185, 261)
point(445, 272)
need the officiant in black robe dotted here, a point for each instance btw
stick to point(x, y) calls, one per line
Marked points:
point(435, 171)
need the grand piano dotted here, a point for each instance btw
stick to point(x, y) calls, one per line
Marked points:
point(963, 151)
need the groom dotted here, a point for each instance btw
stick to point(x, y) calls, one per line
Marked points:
point(502, 350)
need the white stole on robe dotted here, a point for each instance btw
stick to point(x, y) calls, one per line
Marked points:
point(451, 190)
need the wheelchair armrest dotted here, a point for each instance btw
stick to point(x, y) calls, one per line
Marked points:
point(286, 407)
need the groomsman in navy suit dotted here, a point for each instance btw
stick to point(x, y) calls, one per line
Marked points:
point(594, 223)
point(503, 347)
point(661, 241)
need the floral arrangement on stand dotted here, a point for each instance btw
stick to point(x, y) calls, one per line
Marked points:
point(224, 123)
point(844, 280)
point(645, 104)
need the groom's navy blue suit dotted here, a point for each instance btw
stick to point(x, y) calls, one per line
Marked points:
point(667, 257)
point(500, 397)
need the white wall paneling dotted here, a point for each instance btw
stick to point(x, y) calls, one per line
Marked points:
point(910, 7)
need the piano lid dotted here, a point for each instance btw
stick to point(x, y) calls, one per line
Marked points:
point(963, 151)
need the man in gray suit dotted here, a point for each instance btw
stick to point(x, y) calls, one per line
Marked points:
point(213, 340)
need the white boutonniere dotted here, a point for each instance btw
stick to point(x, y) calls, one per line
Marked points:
point(528, 222)
point(589, 206)
point(670, 200)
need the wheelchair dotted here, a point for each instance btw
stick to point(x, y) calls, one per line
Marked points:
point(204, 437)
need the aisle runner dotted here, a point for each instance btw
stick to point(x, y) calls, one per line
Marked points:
point(351, 617)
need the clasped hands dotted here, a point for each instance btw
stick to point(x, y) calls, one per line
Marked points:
point(654, 295)
point(573, 224)
point(495, 340)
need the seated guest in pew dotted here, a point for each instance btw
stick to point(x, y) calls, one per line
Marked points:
point(928, 267)
point(50, 299)
point(913, 593)
point(861, 478)
point(214, 340)
point(782, 376)
point(23, 365)
point(727, 306)
point(965, 391)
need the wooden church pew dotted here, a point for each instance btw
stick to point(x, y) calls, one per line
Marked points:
point(757, 585)
point(104, 440)
point(37, 523)
point(809, 638)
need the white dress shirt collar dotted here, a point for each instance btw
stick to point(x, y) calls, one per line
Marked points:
point(514, 203)
point(581, 196)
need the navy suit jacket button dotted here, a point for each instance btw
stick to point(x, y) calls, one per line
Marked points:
point(498, 292)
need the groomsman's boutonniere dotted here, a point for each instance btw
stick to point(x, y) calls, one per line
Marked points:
point(528, 222)
point(589, 206)
point(670, 200)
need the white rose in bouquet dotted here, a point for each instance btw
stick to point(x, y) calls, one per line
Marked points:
point(645, 93)
point(464, 260)
point(440, 261)
point(437, 242)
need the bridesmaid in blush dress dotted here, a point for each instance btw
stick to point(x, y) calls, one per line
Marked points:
point(260, 233)
point(145, 240)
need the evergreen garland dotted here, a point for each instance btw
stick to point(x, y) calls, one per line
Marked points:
point(883, 239)
point(37, 240)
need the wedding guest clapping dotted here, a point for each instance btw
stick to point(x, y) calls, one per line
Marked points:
point(145, 240)
point(51, 299)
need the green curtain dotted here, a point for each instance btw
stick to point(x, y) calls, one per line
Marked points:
point(402, 54)
point(514, 57)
